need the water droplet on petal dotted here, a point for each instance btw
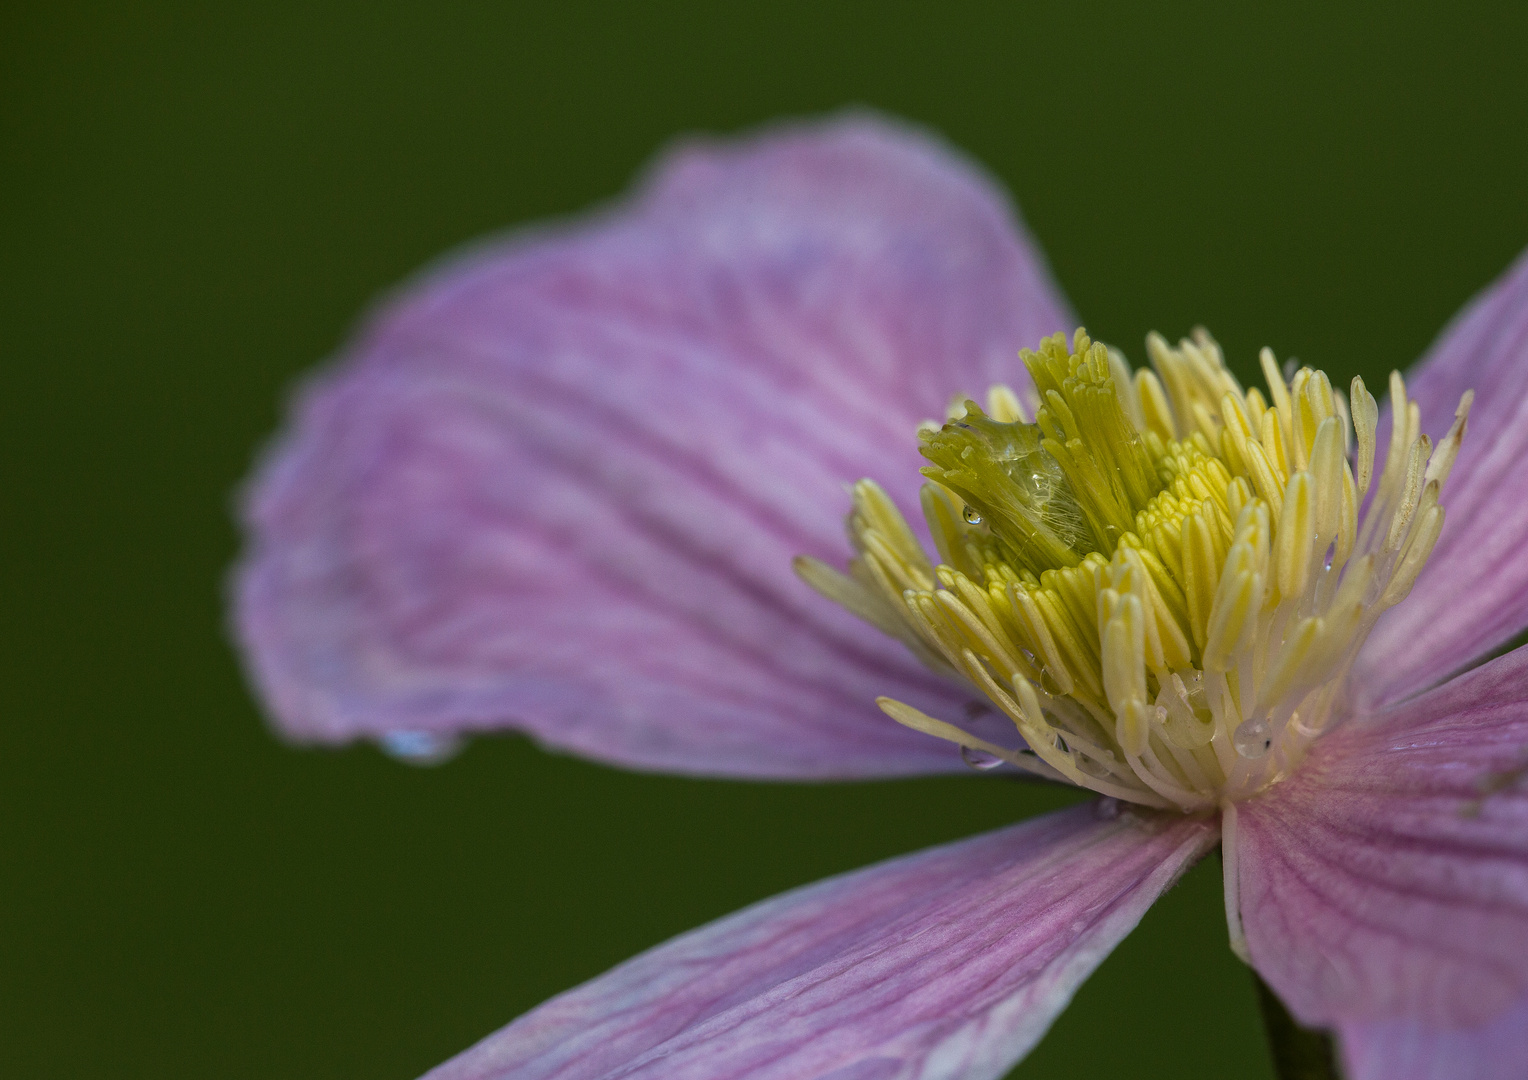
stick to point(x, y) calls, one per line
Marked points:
point(1252, 738)
point(979, 760)
point(420, 747)
point(971, 516)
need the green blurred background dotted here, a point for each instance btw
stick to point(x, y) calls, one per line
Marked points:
point(198, 201)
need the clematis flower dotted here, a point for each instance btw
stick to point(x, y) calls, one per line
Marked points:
point(576, 483)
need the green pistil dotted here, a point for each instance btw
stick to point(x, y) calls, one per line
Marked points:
point(1088, 434)
point(1013, 486)
point(1069, 484)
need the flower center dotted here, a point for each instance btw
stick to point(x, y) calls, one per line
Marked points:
point(1163, 579)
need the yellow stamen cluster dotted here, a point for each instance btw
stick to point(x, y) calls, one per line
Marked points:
point(1161, 579)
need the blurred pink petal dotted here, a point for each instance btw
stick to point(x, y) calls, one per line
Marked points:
point(950, 963)
point(557, 485)
point(1473, 595)
point(1407, 1050)
point(1386, 882)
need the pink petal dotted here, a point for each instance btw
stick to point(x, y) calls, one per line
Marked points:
point(557, 486)
point(948, 963)
point(1473, 595)
point(1384, 887)
point(1406, 1050)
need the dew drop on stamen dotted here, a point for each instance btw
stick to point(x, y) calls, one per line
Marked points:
point(420, 747)
point(1252, 738)
point(971, 516)
point(979, 760)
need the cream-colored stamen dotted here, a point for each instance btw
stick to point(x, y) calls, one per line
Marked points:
point(1163, 579)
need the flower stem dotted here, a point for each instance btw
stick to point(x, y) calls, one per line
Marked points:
point(1299, 1053)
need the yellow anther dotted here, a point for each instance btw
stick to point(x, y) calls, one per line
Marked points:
point(1004, 405)
point(1347, 520)
point(1365, 420)
point(1296, 533)
point(1269, 487)
point(1124, 658)
point(1154, 407)
point(1400, 435)
point(1201, 575)
point(1411, 491)
point(1414, 558)
point(1326, 464)
point(1273, 440)
point(1277, 390)
point(1233, 618)
point(1125, 390)
point(1442, 461)
point(945, 514)
point(1041, 641)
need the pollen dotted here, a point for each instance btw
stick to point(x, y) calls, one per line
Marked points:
point(1160, 578)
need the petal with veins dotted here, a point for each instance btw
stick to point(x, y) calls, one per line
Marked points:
point(945, 965)
point(1473, 595)
point(1386, 882)
point(557, 485)
point(1406, 1050)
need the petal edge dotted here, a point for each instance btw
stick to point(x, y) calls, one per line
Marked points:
point(948, 964)
point(557, 487)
